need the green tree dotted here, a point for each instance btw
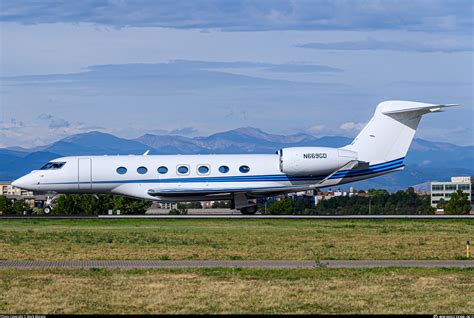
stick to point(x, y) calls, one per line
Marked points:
point(5, 205)
point(377, 192)
point(20, 206)
point(221, 204)
point(70, 204)
point(89, 204)
point(282, 207)
point(128, 205)
point(381, 201)
point(441, 204)
point(181, 209)
point(458, 204)
point(194, 205)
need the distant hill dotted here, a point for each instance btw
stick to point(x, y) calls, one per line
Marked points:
point(241, 140)
point(426, 160)
point(95, 143)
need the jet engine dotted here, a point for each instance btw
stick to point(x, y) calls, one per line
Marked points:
point(312, 161)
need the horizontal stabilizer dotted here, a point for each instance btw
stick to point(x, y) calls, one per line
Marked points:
point(415, 107)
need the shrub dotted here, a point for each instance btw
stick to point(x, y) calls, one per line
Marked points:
point(282, 207)
point(458, 204)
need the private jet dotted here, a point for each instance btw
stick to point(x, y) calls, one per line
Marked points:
point(380, 148)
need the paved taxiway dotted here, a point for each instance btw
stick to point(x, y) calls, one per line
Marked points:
point(234, 216)
point(150, 264)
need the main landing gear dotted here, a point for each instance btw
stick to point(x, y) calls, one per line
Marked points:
point(243, 204)
point(249, 210)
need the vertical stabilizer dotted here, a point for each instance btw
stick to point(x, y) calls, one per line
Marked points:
point(388, 135)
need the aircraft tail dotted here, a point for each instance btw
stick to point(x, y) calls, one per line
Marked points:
point(388, 135)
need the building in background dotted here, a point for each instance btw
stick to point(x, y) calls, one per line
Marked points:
point(326, 195)
point(444, 190)
point(14, 194)
point(7, 189)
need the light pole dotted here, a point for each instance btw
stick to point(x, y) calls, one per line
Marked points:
point(370, 201)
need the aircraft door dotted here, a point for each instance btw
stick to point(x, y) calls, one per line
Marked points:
point(84, 174)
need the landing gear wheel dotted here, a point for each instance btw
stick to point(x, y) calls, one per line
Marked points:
point(47, 210)
point(249, 210)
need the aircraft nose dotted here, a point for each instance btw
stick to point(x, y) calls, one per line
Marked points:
point(22, 182)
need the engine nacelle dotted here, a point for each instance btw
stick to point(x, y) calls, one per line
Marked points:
point(312, 161)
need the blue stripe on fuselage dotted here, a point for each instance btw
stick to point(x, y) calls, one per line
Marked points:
point(381, 167)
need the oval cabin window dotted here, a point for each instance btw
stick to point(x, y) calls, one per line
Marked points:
point(142, 170)
point(223, 169)
point(244, 169)
point(121, 170)
point(203, 169)
point(183, 170)
point(162, 170)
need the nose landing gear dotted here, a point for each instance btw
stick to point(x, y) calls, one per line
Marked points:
point(50, 203)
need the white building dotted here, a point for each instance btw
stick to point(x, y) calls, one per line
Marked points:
point(14, 194)
point(7, 189)
point(444, 190)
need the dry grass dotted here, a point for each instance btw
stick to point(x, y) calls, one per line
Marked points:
point(389, 290)
point(233, 239)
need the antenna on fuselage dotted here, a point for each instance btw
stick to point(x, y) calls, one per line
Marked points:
point(146, 153)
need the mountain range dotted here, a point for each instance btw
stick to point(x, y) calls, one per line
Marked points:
point(426, 160)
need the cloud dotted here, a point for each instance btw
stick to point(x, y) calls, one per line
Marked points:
point(448, 45)
point(280, 68)
point(351, 126)
point(174, 76)
point(316, 129)
point(14, 132)
point(54, 122)
point(302, 68)
point(250, 15)
point(184, 131)
point(132, 99)
point(13, 123)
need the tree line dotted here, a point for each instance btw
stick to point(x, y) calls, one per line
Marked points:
point(81, 204)
point(380, 202)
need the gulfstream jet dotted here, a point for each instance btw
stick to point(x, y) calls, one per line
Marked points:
point(380, 148)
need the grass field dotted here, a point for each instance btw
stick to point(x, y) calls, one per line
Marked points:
point(387, 290)
point(221, 239)
point(323, 290)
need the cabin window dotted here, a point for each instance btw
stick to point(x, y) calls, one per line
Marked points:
point(244, 169)
point(204, 169)
point(53, 166)
point(183, 170)
point(223, 169)
point(121, 170)
point(142, 170)
point(162, 170)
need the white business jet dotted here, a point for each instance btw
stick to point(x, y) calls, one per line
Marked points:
point(380, 148)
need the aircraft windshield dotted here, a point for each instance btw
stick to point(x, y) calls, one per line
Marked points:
point(53, 165)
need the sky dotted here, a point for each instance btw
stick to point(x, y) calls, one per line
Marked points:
point(198, 67)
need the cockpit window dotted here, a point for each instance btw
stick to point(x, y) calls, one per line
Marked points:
point(53, 166)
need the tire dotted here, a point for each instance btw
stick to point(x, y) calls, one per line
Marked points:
point(250, 210)
point(47, 210)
